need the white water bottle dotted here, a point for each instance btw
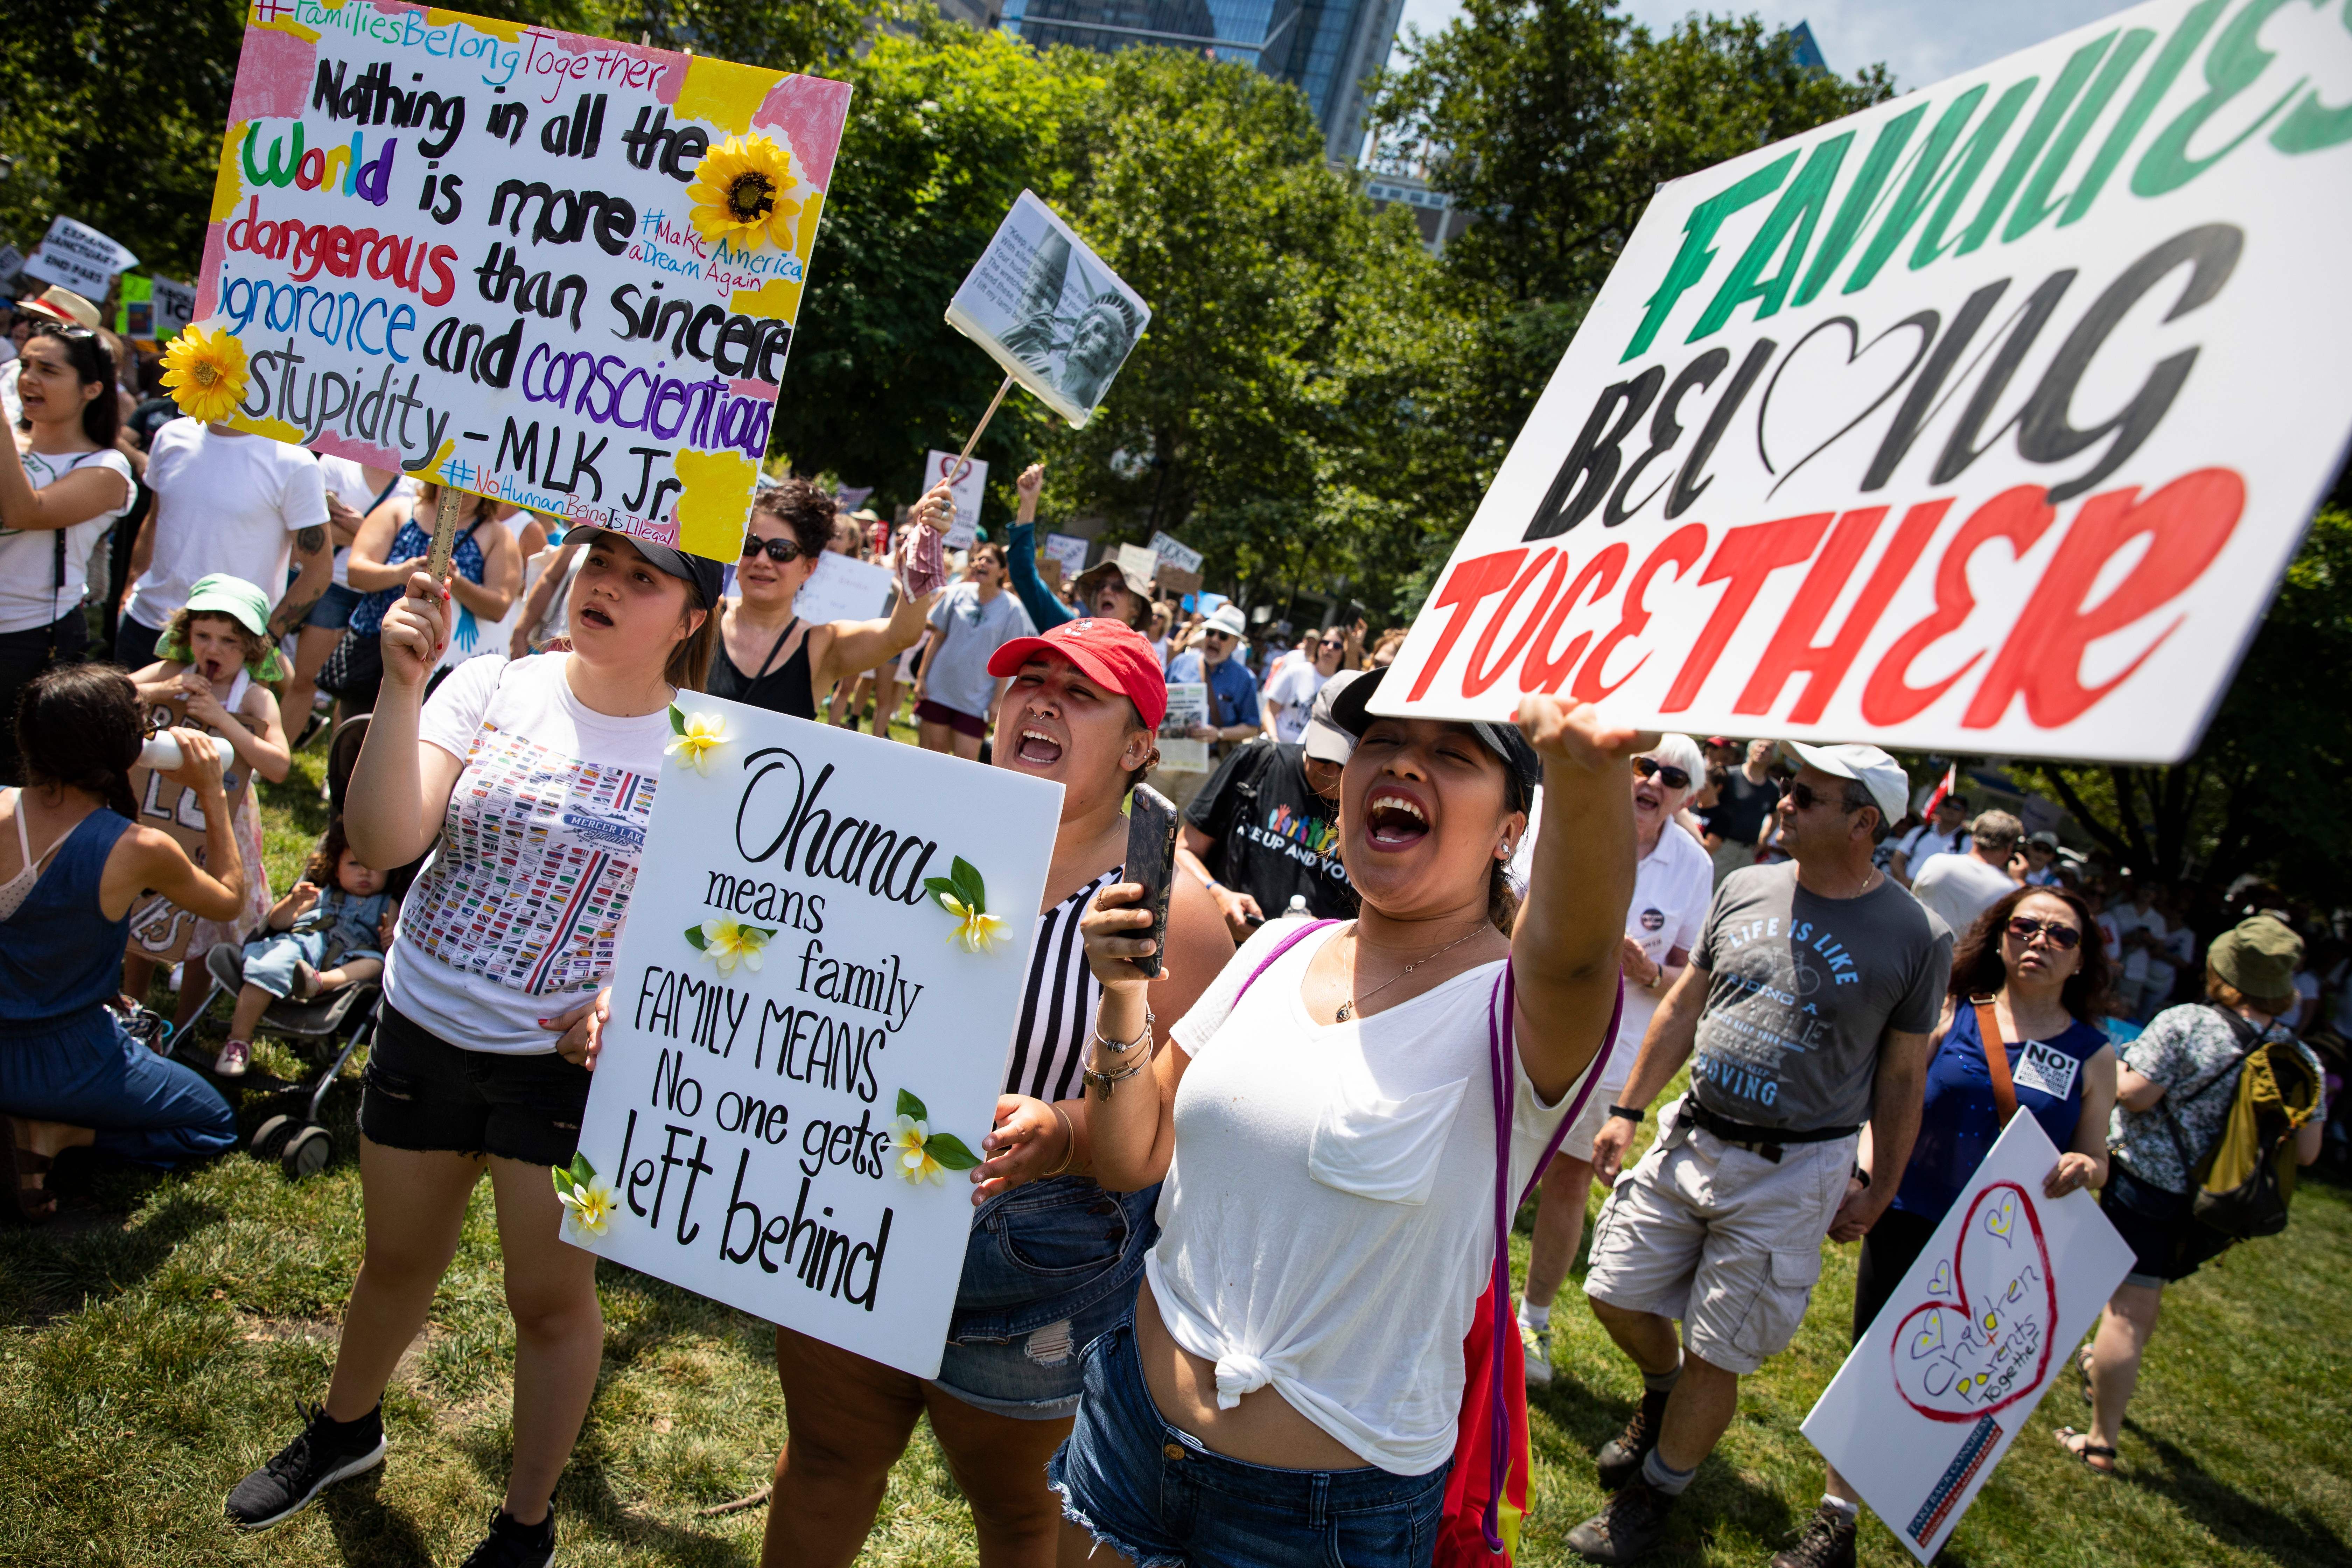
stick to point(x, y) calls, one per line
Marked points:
point(162, 752)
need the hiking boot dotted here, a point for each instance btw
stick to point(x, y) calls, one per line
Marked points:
point(328, 1451)
point(1622, 1456)
point(1537, 1343)
point(1828, 1541)
point(1633, 1522)
point(512, 1545)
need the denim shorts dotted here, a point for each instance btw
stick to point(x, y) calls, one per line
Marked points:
point(425, 1094)
point(1049, 1267)
point(1156, 1495)
point(333, 610)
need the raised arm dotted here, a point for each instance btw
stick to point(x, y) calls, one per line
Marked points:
point(1566, 942)
point(400, 787)
point(1045, 611)
point(857, 646)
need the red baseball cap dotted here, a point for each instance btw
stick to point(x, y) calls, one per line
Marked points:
point(1110, 652)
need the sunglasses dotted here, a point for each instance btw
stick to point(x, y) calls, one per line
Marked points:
point(1221, 637)
point(1802, 795)
point(779, 550)
point(2024, 928)
point(1664, 772)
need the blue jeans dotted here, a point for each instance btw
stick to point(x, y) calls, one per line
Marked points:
point(84, 1071)
point(1049, 1267)
point(1157, 1497)
point(333, 610)
point(270, 960)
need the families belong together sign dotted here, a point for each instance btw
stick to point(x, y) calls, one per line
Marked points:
point(811, 1011)
point(556, 269)
point(1985, 419)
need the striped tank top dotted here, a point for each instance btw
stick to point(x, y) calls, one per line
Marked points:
point(1057, 1009)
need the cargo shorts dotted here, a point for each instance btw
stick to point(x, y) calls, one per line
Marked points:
point(1721, 1238)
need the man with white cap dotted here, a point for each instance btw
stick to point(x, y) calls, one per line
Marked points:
point(1264, 829)
point(1232, 690)
point(1809, 1002)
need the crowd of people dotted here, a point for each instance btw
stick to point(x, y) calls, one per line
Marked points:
point(1378, 916)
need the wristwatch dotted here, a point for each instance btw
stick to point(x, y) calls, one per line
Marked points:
point(1863, 1176)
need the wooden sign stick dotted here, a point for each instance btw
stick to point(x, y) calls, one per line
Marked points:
point(981, 428)
point(445, 534)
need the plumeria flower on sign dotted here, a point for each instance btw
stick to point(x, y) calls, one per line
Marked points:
point(921, 1154)
point(587, 1201)
point(205, 371)
point(963, 895)
point(699, 734)
point(729, 942)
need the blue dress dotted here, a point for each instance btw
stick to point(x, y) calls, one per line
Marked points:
point(63, 1057)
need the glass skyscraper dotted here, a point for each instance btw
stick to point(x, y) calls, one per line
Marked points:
point(1324, 47)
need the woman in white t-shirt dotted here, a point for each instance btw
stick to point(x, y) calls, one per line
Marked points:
point(1289, 1388)
point(63, 493)
point(536, 777)
point(1289, 696)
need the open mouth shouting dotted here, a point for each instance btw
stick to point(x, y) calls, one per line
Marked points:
point(1648, 797)
point(596, 614)
point(1038, 747)
point(1394, 817)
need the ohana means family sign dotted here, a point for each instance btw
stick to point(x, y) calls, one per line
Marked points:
point(558, 270)
point(806, 1044)
point(1984, 419)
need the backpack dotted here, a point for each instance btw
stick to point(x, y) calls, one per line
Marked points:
point(2238, 1189)
point(1494, 1457)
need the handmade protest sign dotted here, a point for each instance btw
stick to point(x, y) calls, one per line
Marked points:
point(78, 257)
point(557, 269)
point(1066, 548)
point(159, 929)
point(1971, 422)
point(812, 1005)
point(1980, 1327)
point(843, 588)
point(1175, 551)
point(1136, 562)
point(1178, 581)
point(1048, 310)
point(968, 484)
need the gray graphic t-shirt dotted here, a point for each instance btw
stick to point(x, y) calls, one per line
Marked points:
point(1801, 990)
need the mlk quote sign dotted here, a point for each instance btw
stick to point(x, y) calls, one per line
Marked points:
point(811, 1010)
point(1985, 419)
point(560, 270)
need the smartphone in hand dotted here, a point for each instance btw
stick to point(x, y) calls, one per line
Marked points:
point(1151, 861)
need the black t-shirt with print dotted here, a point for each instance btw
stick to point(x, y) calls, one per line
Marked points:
point(1739, 814)
point(1275, 836)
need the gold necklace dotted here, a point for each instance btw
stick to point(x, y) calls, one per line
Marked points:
point(1348, 1009)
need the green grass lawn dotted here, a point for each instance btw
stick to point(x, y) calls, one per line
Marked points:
point(158, 1337)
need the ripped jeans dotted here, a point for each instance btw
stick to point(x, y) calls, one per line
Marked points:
point(1049, 1267)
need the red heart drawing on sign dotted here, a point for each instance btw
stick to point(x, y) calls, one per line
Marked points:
point(1963, 1361)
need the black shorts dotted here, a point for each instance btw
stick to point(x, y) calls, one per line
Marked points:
point(2153, 1223)
point(425, 1094)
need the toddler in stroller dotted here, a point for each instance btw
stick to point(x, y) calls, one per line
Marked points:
point(327, 933)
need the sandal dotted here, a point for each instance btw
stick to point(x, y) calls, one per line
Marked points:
point(35, 1204)
point(2089, 1451)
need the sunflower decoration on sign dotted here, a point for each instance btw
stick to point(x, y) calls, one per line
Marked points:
point(205, 371)
point(963, 895)
point(739, 194)
point(922, 1155)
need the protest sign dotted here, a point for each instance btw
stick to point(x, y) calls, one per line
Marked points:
point(1179, 582)
point(556, 269)
point(1206, 603)
point(1980, 1327)
point(159, 929)
point(175, 306)
point(1175, 551)
point(1971, 422)
point(12, 268)
point(135, 310)
point(1066, 548)
point(794, 1012)
point(968, 483)
point(843, 588)
point(1048, 310)
point(1188, 704)
point(1136, 563)
point(78, 257)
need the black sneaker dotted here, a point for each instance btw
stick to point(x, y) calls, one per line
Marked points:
point(328, 1451)
point(1828, 1541)
point(1622, 1456)
point(1633, 1522)
point(512, 1545)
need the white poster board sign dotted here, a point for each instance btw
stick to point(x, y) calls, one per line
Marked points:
point(1978, 421)
point(1175, 551)
point(78, 257)
point(1188, 704)
point(1980, 1327)
point(1066, 548)
point(559, 270)
point(843, 588)
point(173, 305)
point(11, 266)
point(968, 485)
point(1137, 561)
point(786, 975)
point(1048, 310)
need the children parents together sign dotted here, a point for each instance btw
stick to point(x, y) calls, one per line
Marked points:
point(811, 1010)
point(558, 270)
point(1985, 419)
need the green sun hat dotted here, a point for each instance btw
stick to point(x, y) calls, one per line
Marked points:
point(222, 594)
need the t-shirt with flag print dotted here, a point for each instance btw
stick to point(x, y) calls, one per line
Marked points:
point(517, 915)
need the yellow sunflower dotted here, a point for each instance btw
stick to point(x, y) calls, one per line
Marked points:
point(205, 371)
point(739, 194)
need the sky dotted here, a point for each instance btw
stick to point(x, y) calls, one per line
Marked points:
point(1920, 42)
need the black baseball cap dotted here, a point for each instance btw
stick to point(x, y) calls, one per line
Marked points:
point(1520, 762)
point(707, 577)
